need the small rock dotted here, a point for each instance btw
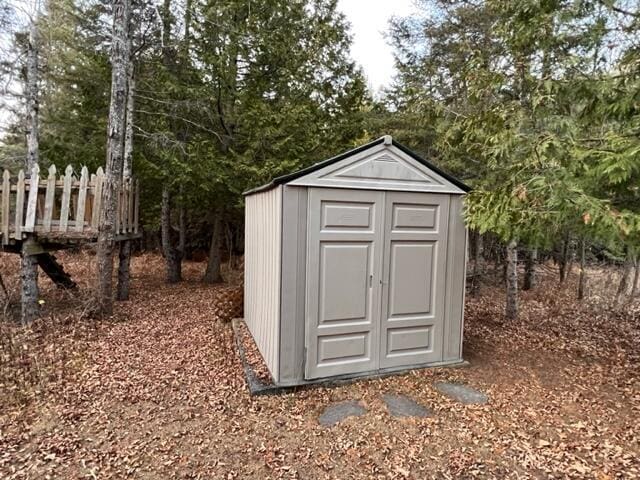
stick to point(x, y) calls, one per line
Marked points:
point(402, 406)
point(336, 412)
point(462, 393)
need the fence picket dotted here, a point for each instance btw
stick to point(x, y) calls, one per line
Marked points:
point(66, 198)
point(6, 192)
point(19, 218)
point(82, 199)
point(132, 199)
point(125, 205)
point(42, 214)
point(97, 199)
point(118, 209)
point(136, 207)
point(32, 201)
point(49, 199)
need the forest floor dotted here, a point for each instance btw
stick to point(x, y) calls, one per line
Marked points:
point(158, 392)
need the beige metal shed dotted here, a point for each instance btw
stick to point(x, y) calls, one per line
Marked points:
point(356, 265)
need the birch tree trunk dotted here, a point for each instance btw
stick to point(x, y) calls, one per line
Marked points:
point(127, 167)
point(511, 308)
point(124, 263)
point(582, 281)
point(32, 94)
point(115, 152)
point(29, 264)
point(213, 274)
point(530, 269)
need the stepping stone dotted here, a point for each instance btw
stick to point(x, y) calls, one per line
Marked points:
point(462, 393)
point(402, 406)
point(336, 412)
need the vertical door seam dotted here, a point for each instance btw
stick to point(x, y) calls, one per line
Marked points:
point(381, 274)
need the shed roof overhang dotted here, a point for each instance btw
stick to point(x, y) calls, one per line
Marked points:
point(382, 163)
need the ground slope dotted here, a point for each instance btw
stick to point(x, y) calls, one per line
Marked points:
point(158, 392)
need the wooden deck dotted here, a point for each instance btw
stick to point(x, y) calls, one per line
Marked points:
point(64, 208)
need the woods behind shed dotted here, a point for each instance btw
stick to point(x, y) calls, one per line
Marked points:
point(356, 265)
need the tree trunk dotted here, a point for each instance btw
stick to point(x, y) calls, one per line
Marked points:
point(29, 264)
point(477, 263)
point(29, 278)
point(213, 274)
point(182, 227)
point(124, 257)
point(582, 282)
point(623, 286)
point(511, 309)
point(174, 273)
point(124, 273)
point(127, 169)
point(3, 287)
point(230, 248)
point(636, 280)
point(530, 269)
point(498, 261)
point(32, 100)
point(564, 259)
point(50, 265)
point(115, 152)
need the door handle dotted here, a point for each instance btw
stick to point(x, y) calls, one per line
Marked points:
point(370, 281)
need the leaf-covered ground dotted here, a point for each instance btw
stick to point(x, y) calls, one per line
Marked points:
point(158, 392)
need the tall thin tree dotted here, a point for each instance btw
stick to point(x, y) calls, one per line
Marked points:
point(29, 262)
point(122, 292)
point(511, 308)
point(121, 11)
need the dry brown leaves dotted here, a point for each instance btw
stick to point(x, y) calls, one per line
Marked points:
point(253, 356)
point(158, 392)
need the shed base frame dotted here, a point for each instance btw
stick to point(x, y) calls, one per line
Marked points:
point(256, 387)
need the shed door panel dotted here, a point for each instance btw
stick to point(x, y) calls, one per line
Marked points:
point(343, 288)
point(413, 292)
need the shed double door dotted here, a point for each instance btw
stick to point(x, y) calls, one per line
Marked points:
point(376, 269)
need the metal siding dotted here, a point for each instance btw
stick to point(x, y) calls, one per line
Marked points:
point(263, 221)
point(456, 277)
point(292, 309)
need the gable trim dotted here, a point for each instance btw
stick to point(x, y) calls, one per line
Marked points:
point(382, 167)
point(317, 166)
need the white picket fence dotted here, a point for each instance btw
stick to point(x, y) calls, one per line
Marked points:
point(62, 207)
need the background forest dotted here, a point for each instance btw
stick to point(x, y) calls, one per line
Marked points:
point(535, 104)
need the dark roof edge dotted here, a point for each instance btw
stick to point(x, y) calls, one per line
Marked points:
point(458, 183)
point(317, 166)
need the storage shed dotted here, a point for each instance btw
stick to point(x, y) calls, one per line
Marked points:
point(356, 265)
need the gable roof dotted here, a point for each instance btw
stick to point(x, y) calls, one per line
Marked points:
point(386, 140)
